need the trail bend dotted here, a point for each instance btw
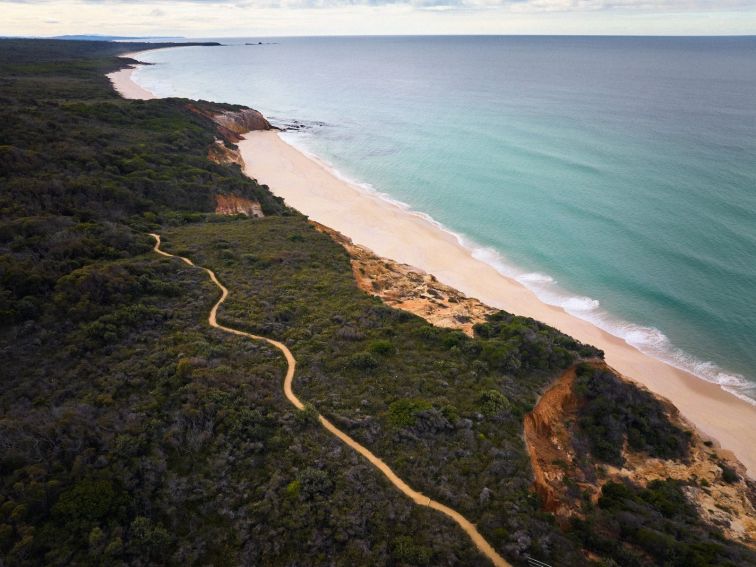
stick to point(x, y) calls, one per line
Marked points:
point(417, 497)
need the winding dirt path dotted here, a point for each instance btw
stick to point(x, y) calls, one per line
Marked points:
point(417, 497)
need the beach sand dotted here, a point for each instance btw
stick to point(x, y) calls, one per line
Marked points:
point(392, 232)
point(125, 86)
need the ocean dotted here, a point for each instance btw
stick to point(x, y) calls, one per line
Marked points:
point(615, 177)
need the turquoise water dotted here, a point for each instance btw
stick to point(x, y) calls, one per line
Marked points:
point(614, 176)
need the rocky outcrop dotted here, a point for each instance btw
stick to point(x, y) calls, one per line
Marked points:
point(561, 481)
point(242, 121)
point(234, 205)
point(730, 506)
point(411, 289)
point(221, 154)
point(233, 124)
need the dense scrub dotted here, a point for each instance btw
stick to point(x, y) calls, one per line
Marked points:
point(84, 172)
point(655, 525)
point(429, 401)
point(631, 525)
point(615, 412)
point(132, 433)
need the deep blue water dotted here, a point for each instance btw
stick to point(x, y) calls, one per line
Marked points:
point(615, 176)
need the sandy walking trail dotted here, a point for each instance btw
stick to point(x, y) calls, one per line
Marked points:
point(417, 497)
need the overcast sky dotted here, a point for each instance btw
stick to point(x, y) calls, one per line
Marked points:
point(253, 18)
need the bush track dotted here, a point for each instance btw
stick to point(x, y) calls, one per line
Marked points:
point(417, 497)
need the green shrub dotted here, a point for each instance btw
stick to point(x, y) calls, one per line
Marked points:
point(403, 413)
point(382, 347)
point(493, 402)
point(363, 361)
point(728, 474)
point(87, 500)
point(405, 550)
point(150, 536)
point(314, 482)
point(294, 487)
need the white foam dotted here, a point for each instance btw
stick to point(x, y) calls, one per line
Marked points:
point(536, 278)
point(649, 340)
point(580, 304)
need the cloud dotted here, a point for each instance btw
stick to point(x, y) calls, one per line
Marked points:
point(258, 18)
point(516, 6)
point(511, 5)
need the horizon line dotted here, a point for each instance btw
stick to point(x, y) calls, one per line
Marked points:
point(116, 38)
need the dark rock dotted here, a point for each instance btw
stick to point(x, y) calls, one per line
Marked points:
point(485, 496)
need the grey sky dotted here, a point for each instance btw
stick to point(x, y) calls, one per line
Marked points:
point(208, 18)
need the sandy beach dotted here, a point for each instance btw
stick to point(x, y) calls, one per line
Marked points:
point(393, 232)
point(125, 86)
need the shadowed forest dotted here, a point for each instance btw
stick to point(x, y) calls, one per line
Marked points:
point(131, 433)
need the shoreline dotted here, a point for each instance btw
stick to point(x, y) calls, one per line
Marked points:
point(560, 299)
point(384, 227)
point(123, 83)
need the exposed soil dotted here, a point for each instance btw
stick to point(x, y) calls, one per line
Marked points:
point(409, 288)
point(234, 205)
point(561, 481)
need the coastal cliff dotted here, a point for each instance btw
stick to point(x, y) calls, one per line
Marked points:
point(548, 440)
point(568, 473)
point(411, 289)
point(234, 205)
point(567, 476)
point(220, 153)
point(242, 121)
point(232, 124)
